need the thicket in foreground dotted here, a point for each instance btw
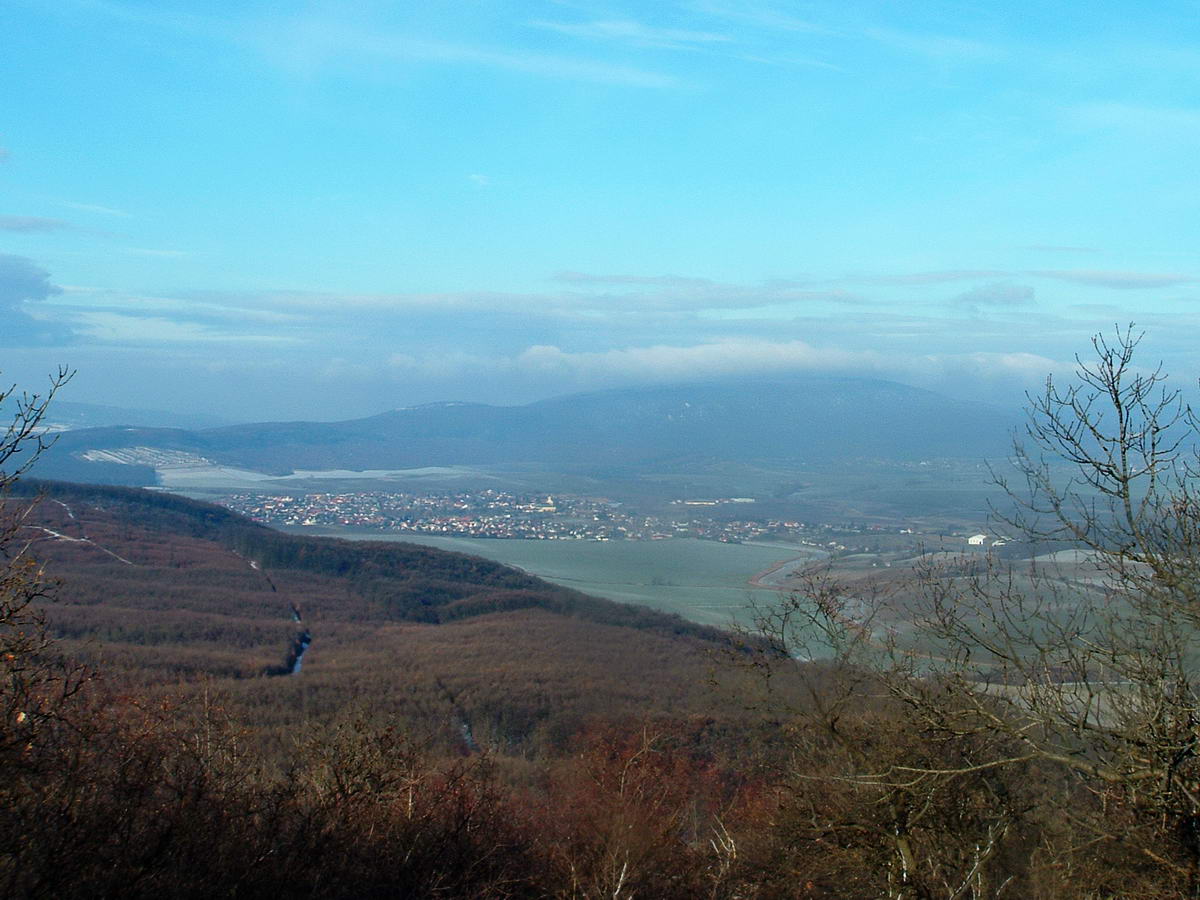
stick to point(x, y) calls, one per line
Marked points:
point(1043, 717)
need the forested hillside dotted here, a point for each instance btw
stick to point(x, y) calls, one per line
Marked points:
point(460, 729)
point(157, 588)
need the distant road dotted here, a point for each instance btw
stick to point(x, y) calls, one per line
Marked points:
point(776, 577)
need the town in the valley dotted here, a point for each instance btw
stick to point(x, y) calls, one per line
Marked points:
point(505, 515)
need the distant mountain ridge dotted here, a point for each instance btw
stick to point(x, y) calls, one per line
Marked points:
point(70, 414)
point(808, 420)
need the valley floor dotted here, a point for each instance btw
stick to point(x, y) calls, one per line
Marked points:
point(709, 582)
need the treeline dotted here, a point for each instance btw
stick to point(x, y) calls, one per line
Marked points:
point(515, 754)
point(400, 581)
point(112, 797)
point(419, 634)
point(117, 793)
point(501, 753)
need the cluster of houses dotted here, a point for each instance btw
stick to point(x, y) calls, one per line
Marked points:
point(982, 540)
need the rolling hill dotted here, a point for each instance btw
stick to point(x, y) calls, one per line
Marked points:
point(158, 590)
point(807, 420)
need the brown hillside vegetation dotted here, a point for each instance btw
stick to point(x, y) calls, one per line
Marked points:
point(484, 735)
point(460, 729)
point(161, 592)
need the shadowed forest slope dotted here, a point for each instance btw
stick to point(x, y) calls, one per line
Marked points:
point(161, 590)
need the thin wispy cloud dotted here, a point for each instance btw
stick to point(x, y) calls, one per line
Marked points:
point(1182, 122)
point(637, 34)
point(1058, 248)
point(326, 304)
point(622, 299)
point(32, 224)
point(113, 327)
point(79, 300)
point(95, 208)
point(146, 15)
point(761, 15)
point(929, 45)
point(690, 293)
point(307, 42)
point(308, 45)
point(157, 252)
point(934, 46)
point(916, 278)
point(1118, 280)
point(1107, 310)
point(999, 294)
point(661, 280)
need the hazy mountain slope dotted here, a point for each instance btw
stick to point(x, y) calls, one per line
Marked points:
point(70, 414)
point(810, 419)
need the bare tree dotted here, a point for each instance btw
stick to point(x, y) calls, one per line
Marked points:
point(33, 683)
point(874, 802)
point(24, 437)
point(1077, 668)
point(1090, 661)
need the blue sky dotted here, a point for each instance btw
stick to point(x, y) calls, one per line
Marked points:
point(286, 210)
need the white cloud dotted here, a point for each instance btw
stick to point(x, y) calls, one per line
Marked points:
point(990, 366)
point(114, 327)
point(730, 358)
point(755, 357)
point(447, 365)
point(667, 362)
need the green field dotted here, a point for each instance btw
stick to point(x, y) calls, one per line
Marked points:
point(705, 581)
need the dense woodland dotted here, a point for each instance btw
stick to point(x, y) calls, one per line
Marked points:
point(461, 729)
